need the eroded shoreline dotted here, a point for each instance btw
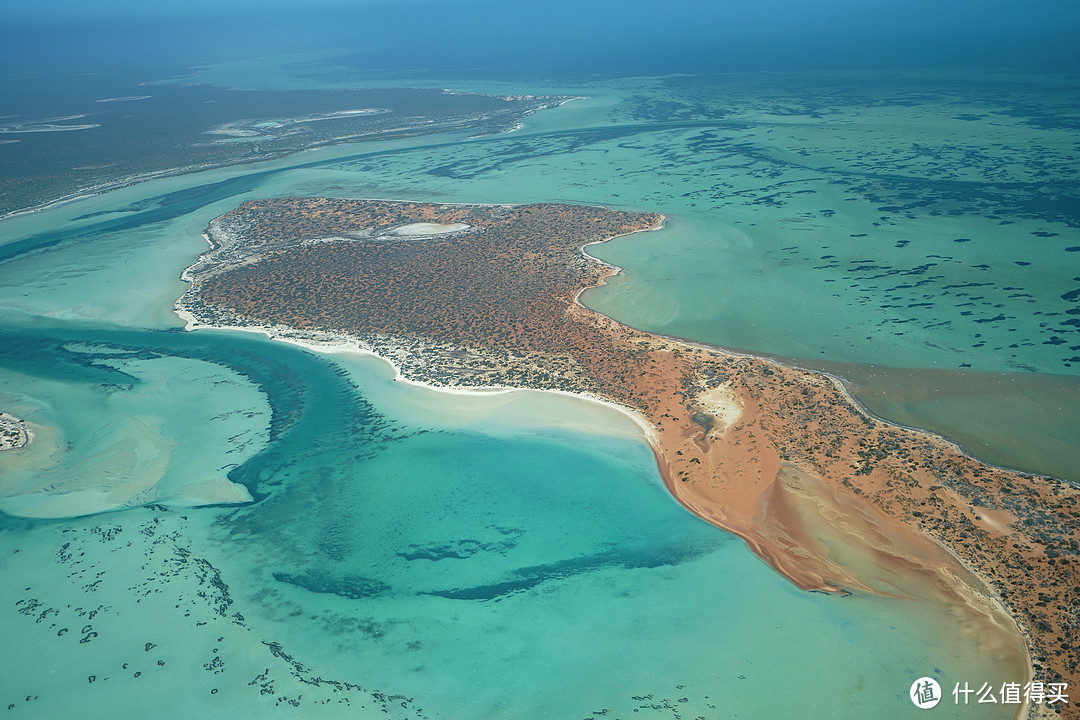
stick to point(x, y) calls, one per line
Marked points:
point(832, 498)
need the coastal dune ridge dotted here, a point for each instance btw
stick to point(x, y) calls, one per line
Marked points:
point(831, 497)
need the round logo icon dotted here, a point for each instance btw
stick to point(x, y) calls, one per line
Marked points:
point(925, 693)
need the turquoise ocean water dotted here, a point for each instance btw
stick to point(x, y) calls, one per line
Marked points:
point(516, 556)
point(913, 231)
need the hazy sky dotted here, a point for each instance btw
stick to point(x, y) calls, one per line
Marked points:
point(673, 34)
point(762, 11)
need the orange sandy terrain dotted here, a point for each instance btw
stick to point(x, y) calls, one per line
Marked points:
point(832, 498)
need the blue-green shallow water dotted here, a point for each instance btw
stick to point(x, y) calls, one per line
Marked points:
point(530, 574)
point(424, 569)
point(905, 221)
point(479, 571)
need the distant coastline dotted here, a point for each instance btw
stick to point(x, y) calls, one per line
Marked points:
point(482, 113)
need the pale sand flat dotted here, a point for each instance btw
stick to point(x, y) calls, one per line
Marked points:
point(430, 228)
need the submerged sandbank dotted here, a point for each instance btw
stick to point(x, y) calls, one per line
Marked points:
point(830, 496)
point(817, 539)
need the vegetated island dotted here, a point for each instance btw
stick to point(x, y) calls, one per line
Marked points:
point(836, 500)
point(13, 433)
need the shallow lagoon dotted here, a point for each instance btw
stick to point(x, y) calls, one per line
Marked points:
point(526, 571)
point(520, 560)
